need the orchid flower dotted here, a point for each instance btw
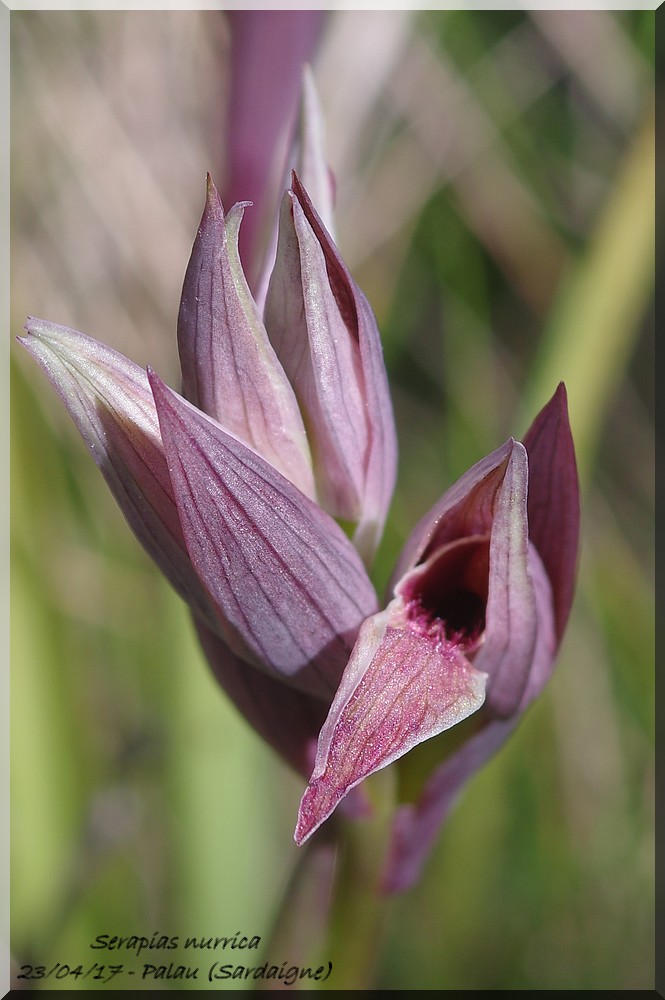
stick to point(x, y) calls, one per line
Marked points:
point(480, 598)
point(234, 486)
point(261, 491)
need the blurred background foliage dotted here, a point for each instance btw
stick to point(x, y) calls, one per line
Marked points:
point(495, 202)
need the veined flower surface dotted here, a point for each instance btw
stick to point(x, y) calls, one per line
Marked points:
point(480, 598)
point(235, 485)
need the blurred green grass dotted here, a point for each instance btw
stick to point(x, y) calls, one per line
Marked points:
point(484, 208)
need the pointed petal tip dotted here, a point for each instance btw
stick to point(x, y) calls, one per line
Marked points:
point(559, 397)
point(36, 327)
point(554, 499)
point(316, 805)
point(153, 377)
point(213, 199)
point(556, 408)
point(161, 392)
point(213, 205)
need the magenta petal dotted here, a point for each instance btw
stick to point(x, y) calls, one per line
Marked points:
point(229, 367)
point(326, 336)
point(464, 509)
point(322, 360)
point(554, 500)
point(286, 581)
point(511, 626)
point(401, 687)
point(109, 400)
point(416, 825)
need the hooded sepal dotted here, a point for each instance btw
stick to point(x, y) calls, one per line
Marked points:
point(326, 337)
point(472, 582)
point(286, 581)
point(554, 500)
point(229, 367)
point(553, 538)
point(111, 404)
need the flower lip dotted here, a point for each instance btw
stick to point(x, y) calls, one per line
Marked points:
point(445, 597)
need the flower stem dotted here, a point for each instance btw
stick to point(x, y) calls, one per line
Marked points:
point(360, 912)
point(333, 915)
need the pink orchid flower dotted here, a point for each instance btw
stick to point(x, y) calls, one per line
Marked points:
point(480, 598)
point(236, 487)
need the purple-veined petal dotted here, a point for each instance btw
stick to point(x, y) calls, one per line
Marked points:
point(491, 497)
point(381, 454)
point(110, 401)
point(308, 159)
point(322, 361)
point(554, 500)
point(464, 509)
point(416, 825)
point(403, 685)
point(510, 616)
point(284, 577)
point(229, 367)
point(268, 49)
point(326, 336)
